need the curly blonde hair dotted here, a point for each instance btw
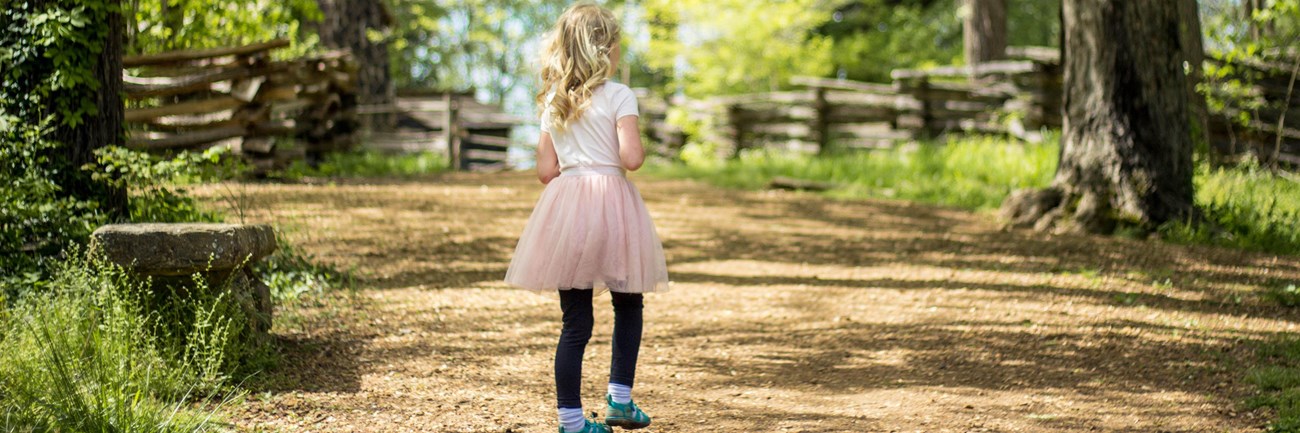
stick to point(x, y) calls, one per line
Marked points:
point(575, 61)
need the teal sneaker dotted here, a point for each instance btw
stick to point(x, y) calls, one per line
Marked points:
point(627, 416)
point(590, 427)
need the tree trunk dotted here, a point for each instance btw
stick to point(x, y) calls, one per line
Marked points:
point(346, 25)
point(104, 128)
point(1189, 17)
point(985, 30)
point(1126, 151)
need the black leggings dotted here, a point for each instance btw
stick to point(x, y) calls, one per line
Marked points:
point(576, 305)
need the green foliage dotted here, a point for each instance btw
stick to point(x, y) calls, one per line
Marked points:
point(162, 25)
point(86, 357)
point(48, 52)
point(970, 172)
point(464, 44)
point(157, 183)
point(294, 276)
point(369, 164)
point(36, 221)
point(1248, 207)
point(872, 38)
point(736, 46)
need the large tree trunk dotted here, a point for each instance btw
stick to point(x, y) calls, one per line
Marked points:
point(346, 25)
point(1126, 151)
point(985, 30)
point(100, 130)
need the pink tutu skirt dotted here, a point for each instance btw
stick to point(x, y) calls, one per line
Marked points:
point(590, 229)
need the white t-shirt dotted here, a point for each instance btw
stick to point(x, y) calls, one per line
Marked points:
point(591, 140)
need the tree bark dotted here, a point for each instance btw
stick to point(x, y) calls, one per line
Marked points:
point(984, 30)
point(346, 25)
point(1189, 17)
point(102, 129)
point(1126, 151)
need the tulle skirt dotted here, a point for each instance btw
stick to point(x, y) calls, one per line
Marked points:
point(590, 229)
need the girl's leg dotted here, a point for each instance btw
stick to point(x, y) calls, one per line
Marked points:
point(626, 344)
point(576, 305)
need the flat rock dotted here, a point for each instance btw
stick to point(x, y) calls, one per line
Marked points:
point(184, 249)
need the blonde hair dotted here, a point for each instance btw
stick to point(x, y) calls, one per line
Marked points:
point(576, 61)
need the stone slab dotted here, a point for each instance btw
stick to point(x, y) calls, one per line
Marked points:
point(161, 249)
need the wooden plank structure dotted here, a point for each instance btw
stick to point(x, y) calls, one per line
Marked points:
point(239, 98)
point(475, 136)
point(1019, 97)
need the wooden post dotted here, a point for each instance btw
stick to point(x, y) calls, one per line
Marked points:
point(450, 128)
point(927, 107)
point(737, 127)
point(822, 123)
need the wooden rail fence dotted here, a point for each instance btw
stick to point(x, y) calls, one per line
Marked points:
point(1269, 125)
point(475, 136)
point(238, 97)
point(1018, 97)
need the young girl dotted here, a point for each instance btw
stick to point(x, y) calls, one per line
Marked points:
point(590, 231)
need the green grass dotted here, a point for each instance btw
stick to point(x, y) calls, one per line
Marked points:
point(971, 172)
point(1277, 380)
point(1247, 207)
point(369, 164)
point(85, 356)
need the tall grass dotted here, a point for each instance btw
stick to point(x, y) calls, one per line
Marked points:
point(1247, 207)
point(86, 355)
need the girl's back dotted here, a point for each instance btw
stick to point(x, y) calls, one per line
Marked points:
point(591, 140)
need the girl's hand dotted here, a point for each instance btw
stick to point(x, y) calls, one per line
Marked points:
point(630, 152)
point(548, 163)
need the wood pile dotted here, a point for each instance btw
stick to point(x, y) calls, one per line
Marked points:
point(268, 111)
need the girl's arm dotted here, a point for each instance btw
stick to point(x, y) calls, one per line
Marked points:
point(548, 163)
point(630, 152)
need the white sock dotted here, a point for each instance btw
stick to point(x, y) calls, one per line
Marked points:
point(571, 419)
point(621, 394)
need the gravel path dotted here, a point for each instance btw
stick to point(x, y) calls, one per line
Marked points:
point(789, 312)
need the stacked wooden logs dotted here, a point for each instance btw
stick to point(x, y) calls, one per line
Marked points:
point(270, 112)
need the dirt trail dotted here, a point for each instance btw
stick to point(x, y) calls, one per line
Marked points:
point(789, 312)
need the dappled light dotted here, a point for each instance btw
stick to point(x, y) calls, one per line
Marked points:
point(787, 312)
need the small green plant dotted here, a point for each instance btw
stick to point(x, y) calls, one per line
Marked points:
point(1288, 296)
point(294, 276)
